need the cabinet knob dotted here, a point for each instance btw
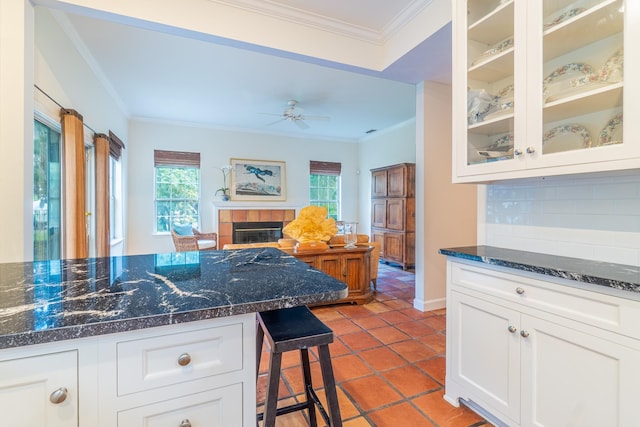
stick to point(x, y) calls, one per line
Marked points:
point(512, 329)
point(524, 334)
point(517, 152)
point(531, 150)
point(519, 291)
point(185, 423)
point(58, 396)
point(184, 359)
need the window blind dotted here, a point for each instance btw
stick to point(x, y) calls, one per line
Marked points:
point(325, 168)
point(176, 158)
point(115, 146)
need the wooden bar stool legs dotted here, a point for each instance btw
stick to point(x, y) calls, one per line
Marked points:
point(290, 329)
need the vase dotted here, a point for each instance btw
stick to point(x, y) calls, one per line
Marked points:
point(350, 234)
point(224, 198)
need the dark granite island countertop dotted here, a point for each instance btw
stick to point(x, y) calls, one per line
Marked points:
point(608, 277)
point(58, 300)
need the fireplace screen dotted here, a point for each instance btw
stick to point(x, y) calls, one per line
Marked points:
point(256, 232)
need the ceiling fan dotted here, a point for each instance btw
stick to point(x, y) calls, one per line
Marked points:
point(296, 115)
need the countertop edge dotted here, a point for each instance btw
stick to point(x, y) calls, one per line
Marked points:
point(546, 268)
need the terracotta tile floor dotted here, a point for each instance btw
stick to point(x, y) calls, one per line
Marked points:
point(388, 361)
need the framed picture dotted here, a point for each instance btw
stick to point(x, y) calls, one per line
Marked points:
point(258, 180)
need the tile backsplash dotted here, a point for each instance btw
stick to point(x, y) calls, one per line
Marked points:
point(593, 217)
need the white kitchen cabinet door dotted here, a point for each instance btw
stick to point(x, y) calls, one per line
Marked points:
point(485, 354)
point(570, 378)
point(40, 391)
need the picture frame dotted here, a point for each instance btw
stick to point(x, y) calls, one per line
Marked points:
point(258, 180)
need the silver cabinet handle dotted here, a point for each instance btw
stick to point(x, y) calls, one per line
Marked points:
point(524, 334)
point(512, 329)
point(184, 359)
point(531, 150)
point(58, 396)
point(185, 423)
point(519, 291)
point(517, 152)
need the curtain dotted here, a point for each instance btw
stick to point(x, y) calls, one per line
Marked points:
point(176, 158)
point(102, 148)
point(115, 146)
point(75, 228)
point(325, 168)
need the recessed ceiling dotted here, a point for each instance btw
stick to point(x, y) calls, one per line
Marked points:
point(166, 77)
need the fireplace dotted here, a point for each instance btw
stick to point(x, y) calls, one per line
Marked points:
point(256, 232)
point(228, 217)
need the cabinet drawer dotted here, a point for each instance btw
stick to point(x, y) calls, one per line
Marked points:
point(221, 407)
point(592, 308)
point(148, 363)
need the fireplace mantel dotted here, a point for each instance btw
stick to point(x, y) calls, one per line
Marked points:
point(226, 218)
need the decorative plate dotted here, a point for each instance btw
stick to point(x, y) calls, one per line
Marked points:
point(501, 147)
point(494, 50)
point(566, 138)
point(612, 132)
point(612, 70)
point(559, 19)
point(559, 81)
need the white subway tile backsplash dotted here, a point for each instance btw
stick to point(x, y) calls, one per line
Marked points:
point(591, 217)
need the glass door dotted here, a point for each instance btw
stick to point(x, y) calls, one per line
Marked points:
point(491, 87)
point(582, 78)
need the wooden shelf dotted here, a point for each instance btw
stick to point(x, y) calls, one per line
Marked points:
point(495, 26)
point(502, 124)
point(494, 68)
point(588, 102)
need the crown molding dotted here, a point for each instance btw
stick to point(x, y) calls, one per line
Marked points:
point(273, 9)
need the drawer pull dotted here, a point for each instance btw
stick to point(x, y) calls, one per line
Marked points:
point(58, 396)
point(519, 291)
point(183, 360)
point(512, 329)
point(185, 423)
point(524, 334)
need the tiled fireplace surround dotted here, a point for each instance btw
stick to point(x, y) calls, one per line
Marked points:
point(226, 218)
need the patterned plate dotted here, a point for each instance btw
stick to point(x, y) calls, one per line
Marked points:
point(494, 50)
point(559, 19)
point(501, 147)
point(566, 138)
point(559, 81)
point(612, 132)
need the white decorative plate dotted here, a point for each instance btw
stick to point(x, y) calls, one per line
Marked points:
point(501, 147)
point(612, 70)
point(612, 132)
point(559, 19)
point(566, 138)
point(494, 50)
point(559, 82)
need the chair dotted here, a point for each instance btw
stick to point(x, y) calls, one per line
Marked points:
point(196, 242)
point(290, 329)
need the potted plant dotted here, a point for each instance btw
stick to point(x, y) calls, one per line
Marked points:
point(224, 189)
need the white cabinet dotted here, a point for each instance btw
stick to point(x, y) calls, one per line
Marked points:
point(40, 390)
point(531, 352)
point(539, 87)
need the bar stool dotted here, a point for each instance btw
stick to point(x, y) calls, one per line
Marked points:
point(296, 328)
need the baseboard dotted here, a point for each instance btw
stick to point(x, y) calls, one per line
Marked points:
point(430, 305)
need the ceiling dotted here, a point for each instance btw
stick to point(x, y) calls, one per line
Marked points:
point(161, 76)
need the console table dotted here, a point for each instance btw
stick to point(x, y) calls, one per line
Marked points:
point(351, 266)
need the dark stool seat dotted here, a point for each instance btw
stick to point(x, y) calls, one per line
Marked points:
point(296, 328)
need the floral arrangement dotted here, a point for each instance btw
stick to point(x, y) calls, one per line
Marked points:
point(226, 169)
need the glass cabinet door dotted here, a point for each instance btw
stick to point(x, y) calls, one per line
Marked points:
point(491, 88)
point(582, 85)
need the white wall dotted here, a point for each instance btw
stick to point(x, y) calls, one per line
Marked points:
point(392, 146)
point(216, 147)
point(593, 217)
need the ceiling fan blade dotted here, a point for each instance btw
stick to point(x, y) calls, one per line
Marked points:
point(319, 118)
point(277, 121)
point(301, 124)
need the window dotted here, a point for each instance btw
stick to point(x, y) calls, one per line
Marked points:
point(47, 215)
point(177, 189)
point(324, 186)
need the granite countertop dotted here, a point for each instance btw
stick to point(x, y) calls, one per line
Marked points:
point(57, 300)
point(608, 275)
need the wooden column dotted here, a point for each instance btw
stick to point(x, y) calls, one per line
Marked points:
point(102, 216)
point(75, 229)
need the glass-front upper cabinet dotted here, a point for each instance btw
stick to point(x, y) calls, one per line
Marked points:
point(539, 87)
